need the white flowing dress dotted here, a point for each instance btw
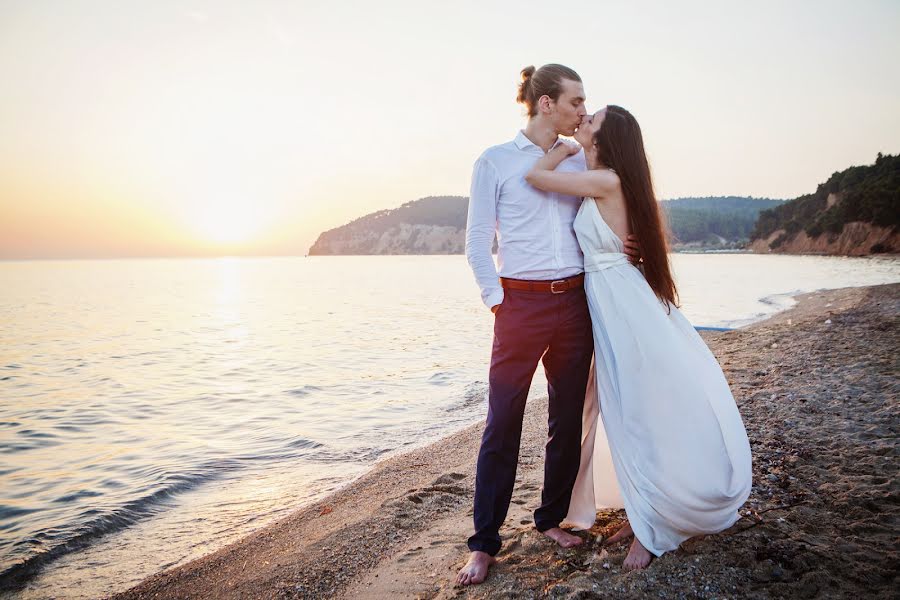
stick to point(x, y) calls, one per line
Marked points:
point(669, 446)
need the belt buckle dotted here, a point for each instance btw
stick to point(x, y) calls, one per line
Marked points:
point(553, 288)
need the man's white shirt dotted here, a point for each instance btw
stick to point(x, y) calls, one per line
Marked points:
point(534, 231)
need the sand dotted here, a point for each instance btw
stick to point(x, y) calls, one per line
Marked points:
point(818, 390)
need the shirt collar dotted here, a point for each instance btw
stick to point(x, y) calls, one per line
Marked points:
point(522, 142)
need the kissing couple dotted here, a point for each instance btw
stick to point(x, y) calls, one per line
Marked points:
point(640, 414)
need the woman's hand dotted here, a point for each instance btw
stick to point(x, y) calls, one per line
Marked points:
point(566, 149)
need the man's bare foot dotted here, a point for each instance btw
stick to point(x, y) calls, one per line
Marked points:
point(476, 569)
point(638, 557)
point(623, 533)
point(563, 538)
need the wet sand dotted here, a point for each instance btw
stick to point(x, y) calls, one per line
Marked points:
point(818, 390)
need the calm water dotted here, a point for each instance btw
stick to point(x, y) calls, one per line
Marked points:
point(155, 410)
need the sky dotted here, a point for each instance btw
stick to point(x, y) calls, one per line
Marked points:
point(218, 128)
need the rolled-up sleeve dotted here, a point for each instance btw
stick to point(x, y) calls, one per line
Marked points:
point(481, 225)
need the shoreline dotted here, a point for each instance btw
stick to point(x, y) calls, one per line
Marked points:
point(399, 530)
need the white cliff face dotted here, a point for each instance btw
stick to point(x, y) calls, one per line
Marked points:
point(421, 239)
point(432, 225)
point(856, 239)
point(403, 238)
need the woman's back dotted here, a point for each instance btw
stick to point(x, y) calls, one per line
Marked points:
point(614, 212)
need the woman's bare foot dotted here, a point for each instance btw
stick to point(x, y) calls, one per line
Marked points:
point(638, 557)
point(563, 538)
point(476, 569)
point(623, 533)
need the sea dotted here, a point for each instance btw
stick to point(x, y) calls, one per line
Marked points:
point(155, 410)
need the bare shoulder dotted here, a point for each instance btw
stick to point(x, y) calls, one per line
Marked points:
point(607, 184)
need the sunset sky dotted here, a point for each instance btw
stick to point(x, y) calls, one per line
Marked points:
point(229, 128)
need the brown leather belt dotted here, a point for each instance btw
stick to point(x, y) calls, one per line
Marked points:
point(556, 287)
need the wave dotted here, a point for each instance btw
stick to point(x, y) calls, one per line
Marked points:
point(774, 303)
point(304, 391)
point(15, 577)
point(781, 301)
point(474, 395)
point(441, 378)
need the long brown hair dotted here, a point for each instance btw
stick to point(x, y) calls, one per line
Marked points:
point(546, 81)
point(620, 146)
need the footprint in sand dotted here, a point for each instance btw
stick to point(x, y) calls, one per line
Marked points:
point(442, 493)
point(410, 554)
point(448, 478)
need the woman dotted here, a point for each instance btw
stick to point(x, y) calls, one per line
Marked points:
point(671, 447)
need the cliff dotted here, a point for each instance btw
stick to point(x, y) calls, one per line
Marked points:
point(856, 212)
point(402, 238)
point(855, 239)
point(432, 225)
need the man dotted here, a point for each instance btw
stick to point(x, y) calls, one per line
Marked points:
point(540, 311)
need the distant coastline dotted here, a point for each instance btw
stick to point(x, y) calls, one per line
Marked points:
point(436, 225)
point(856, 212)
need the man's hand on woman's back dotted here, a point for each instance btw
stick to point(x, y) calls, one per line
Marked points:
point(632, 249)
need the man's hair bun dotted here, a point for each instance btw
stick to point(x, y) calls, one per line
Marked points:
point(523, 96)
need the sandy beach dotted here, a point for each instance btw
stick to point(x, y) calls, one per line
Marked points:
point(818, 389)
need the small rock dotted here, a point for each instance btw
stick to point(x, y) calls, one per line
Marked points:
point(559, 590)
